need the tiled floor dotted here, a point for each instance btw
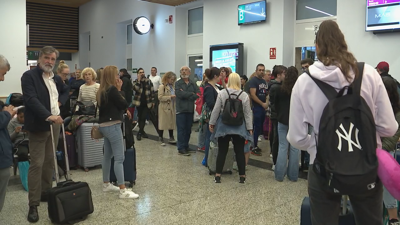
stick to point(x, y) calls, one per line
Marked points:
point(176, 189)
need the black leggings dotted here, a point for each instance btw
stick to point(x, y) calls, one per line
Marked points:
point(143, 112)
point(171, 133)
point(238, 147)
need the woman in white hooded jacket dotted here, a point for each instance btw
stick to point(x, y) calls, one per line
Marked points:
point(337, 67)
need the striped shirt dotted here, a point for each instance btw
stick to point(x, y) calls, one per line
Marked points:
point(88, 93)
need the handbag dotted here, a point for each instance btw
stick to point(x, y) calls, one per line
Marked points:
point(95, 132)
point(85, 108)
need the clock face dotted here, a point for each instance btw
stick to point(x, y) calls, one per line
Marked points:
point(141, 25)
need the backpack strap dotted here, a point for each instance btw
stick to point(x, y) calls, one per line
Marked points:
point(329, 91)
point(357, 82)
point(239, 95)
point(229, 95)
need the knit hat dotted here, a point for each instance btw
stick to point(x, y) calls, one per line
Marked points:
point(383, 66)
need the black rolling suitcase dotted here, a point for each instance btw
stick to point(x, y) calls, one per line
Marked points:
point(346, 216)
point(69, 201)
point(130, 155)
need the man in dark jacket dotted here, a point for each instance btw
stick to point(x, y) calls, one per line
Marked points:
point(44, 92)
point(6, 146)
point(127, 86)
point(186, 94)
point(383, 70)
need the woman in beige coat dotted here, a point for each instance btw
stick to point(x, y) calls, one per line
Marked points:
point(167, 107)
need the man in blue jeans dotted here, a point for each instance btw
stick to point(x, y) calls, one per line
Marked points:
point(186, 94)
point(258, 95)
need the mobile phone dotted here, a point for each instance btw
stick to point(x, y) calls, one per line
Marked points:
point(16, 108)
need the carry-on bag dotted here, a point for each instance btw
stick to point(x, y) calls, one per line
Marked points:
point(71, 148)
point(69, 201)
point(346, 216)
point(212, 159)
point(130, 157)
point(90, 151)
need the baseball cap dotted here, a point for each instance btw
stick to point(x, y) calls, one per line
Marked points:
point(383, 66)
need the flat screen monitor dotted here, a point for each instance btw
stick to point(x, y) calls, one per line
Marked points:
point(227, 55)
point(254, 12)
point(383, 15)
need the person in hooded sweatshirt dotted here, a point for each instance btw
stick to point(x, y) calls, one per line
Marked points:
point(338, 68)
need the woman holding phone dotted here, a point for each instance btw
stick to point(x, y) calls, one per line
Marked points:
point(112, 106)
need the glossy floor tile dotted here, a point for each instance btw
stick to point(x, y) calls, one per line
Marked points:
point(177, 189)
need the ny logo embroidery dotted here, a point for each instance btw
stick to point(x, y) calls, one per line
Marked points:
point(347, 137)
point(234, 114)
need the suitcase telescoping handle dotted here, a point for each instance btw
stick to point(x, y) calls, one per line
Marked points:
point(54, 152)
point(124, 129)
point(344, 207)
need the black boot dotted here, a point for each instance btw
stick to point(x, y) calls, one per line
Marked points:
point(33, 215)
point(139, 136)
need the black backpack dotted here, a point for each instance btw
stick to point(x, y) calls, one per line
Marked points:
point(232, 114)
point(346, 161)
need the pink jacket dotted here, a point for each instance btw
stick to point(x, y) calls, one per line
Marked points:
point(308, 102)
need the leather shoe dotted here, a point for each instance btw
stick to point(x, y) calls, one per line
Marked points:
point(139, 137)
point(33, 215)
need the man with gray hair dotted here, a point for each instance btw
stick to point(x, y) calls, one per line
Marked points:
point(4, 67)
point(6, 155)
point(186, 94)
point(44, 92)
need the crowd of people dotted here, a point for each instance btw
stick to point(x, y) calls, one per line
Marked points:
point(289, 103)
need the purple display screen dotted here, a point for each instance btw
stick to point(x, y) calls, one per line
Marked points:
point(381, 2)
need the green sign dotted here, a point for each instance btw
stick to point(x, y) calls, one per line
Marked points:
point(33, 55)
point(241, 10)
point(134, 70)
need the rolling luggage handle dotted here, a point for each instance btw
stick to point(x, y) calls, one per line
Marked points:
point(55, 156)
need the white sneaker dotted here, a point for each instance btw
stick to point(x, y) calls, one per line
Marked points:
point(147, 122)
point(127, 193)
point(163, 144)
point(259, 138)
point(273, 167)
point(109, 187)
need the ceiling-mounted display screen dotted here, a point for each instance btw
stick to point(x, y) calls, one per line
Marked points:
point(254, 12)
point(383, 15)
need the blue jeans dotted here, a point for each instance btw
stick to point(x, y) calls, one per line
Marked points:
point(282, 166)
point(258, 122)
point(113, 147)
point(388, 199)
point(184, 122)
point(207, 141)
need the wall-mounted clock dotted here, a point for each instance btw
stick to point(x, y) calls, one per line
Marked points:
point(142, 25)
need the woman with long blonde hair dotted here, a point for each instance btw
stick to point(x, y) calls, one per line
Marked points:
point(112, 106)
point(226, 133)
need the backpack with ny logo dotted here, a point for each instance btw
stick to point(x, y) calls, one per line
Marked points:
point(233, 114)
point(346, 161)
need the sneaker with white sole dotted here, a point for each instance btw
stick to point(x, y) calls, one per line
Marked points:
point(273, 168)
point(107, 187)
point(127, 193)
